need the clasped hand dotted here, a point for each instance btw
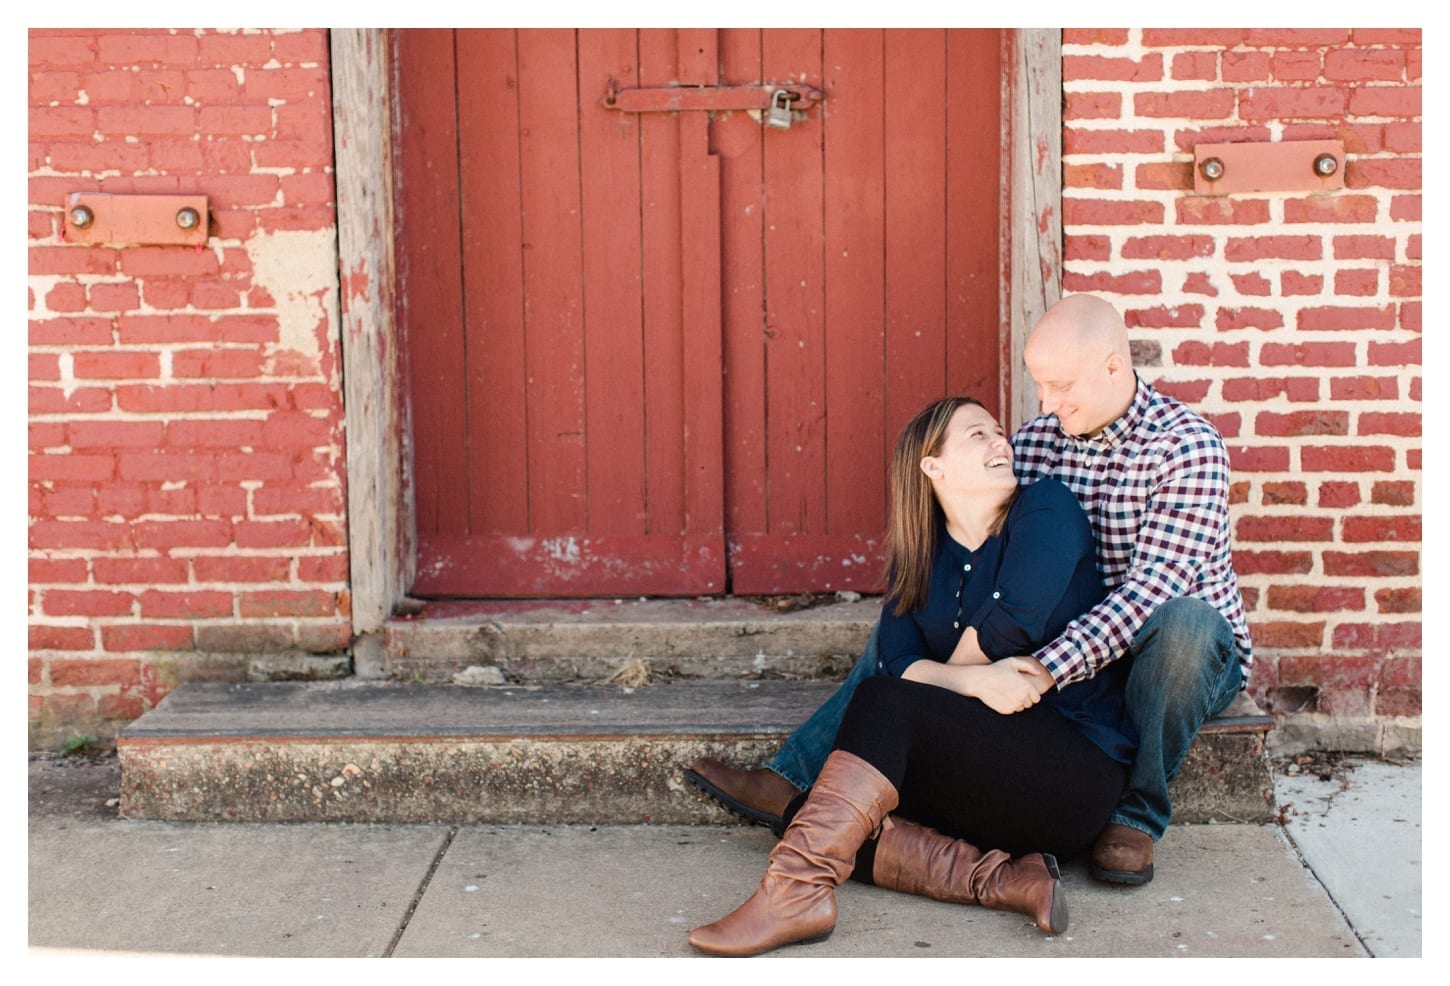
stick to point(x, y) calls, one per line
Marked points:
point(1010, 685)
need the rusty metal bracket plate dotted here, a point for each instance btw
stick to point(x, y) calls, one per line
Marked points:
point(1280, 166)
point(154, 220)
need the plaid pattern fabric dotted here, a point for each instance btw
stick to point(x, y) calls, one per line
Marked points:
point(1154, 484)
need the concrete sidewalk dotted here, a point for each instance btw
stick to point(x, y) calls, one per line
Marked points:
point(1341, 877)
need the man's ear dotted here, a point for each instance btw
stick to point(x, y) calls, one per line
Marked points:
point(1116, 364)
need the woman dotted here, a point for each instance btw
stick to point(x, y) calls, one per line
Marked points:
point(956, 747)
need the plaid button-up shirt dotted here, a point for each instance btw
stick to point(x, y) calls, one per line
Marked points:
point(1154, 484)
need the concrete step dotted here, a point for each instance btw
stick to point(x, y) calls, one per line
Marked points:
point(541, 754)
point(524, 641)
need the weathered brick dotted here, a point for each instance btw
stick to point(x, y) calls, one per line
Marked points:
point(1371, 564)
point(1194, 353)
point(1286, 634)
point(1275, 494)
point(133, 571)
point(88, 602)
point(1272, 562)
point(147, 637)
point(1346, 458)
point(1296, 389)
point(1397, 600)
point(245, 638)
point(1293, 283)
point(1254, 248)
point(285, 602)
point(1301, 423)
point(1098, 212)
point(1358, 529)
point(1406, 423)
point(1377, 638)
point(1199, 104)
point(1308, 354)
point(46, 637)
point(1399, 702)
point(65, 672)
point(1314, 599)
point(1268, 103)
point(196, 605)
point(1215, 211)
point(1232, 319)
point(1364, 388)
point(1395, 353)
point(1284, 529)
point(1336, 493)
point(1258, 459)
point(1396, 493)
point(167, 534)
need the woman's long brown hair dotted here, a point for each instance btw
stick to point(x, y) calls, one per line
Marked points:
point(915, 514)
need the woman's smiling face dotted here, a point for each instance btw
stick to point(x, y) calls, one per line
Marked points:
point(975, 454)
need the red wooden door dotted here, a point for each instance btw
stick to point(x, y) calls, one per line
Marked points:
point(667, 352)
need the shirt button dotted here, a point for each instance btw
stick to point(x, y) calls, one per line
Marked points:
point(996, 595)
point(966, 568)
point(956, 626)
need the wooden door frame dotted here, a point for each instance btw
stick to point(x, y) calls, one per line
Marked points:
point(381, 526)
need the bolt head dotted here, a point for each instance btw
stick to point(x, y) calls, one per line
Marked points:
point(1325, 165)
point(1211, 169)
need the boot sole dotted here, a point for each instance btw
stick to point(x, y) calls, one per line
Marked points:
point(1127, 878)
point(812, 940)
point(736, 808)
point(1057, 917)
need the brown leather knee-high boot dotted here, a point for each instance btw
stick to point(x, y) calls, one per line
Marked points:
point(919, 860)
point(796, 900)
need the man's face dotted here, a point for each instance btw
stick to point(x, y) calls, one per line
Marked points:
point(1082, 388)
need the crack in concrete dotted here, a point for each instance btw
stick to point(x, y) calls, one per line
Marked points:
point(418, 894)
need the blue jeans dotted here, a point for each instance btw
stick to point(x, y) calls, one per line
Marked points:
point(1185, 671)
point(803, 754)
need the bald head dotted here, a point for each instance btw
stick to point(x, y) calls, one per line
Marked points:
point(1079, 357)
point(1082, 324)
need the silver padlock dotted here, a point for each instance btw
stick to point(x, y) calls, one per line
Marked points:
point(778, 115)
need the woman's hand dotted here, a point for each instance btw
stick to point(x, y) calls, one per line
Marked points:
point(1010, 685)
point(1006, 686)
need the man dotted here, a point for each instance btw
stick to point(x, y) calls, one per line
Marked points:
point(1153, 478)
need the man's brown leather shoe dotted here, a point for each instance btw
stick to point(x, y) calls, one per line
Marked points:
point(754, 793)
point(1123, 855)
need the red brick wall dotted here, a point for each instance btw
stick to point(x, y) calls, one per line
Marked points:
point(186, 451)
point(1292, 320)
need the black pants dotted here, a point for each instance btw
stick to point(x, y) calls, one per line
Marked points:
point(1028, 782)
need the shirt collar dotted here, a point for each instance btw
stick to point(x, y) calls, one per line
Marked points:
point(1113, 433)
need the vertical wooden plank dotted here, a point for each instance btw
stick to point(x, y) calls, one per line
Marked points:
point(488, 154)
point(553, 333)
point(663, 342)
point(795, 299)
point(975, 204)
point(613, 315)
point(1035, 70)
point(857, 446)
point(429, 267)
point(738, 142)
point(702, 348)
point(379, 540)
point(915, 225)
